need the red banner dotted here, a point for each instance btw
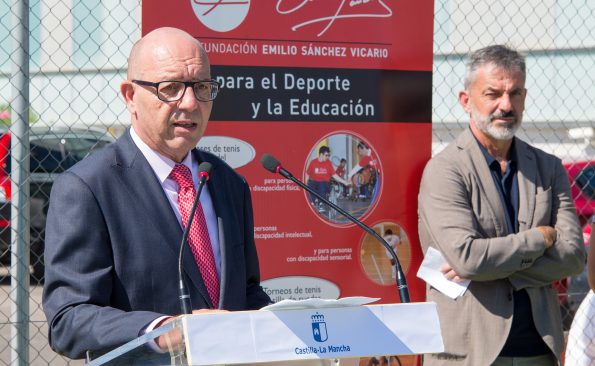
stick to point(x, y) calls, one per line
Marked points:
point(329, 87)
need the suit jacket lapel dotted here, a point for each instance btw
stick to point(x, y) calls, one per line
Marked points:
point(142, 184)
point(478, 167)
point(527, 175)
point(138, 178)
point(223, 210)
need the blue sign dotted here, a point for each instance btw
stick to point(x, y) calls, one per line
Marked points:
point(319, 328)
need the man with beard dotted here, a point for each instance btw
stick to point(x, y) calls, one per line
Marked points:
point(501, 214)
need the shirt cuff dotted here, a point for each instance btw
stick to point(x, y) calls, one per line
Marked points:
point(152, 325)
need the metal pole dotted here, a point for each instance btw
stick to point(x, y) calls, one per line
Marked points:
point(19, 130)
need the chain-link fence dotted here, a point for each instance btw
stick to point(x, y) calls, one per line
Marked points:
point(77, 54)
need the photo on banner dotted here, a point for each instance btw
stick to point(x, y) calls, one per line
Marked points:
point(345, 155)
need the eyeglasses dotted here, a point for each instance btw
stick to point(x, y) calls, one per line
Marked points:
point(171, 91)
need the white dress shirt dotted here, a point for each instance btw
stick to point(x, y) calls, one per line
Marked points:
point(162, 167)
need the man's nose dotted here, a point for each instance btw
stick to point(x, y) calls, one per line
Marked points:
point(188, 100)
point(505, 103)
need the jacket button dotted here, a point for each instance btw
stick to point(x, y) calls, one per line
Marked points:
point(510, 296)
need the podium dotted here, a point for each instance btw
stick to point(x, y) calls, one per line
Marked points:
point(282, 336)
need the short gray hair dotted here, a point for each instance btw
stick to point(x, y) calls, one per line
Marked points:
point(499, 55)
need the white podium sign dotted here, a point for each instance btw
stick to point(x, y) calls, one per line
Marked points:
point(306, 334)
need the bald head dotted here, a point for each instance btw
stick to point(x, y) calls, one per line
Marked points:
point(171, 128)
point(160, 44)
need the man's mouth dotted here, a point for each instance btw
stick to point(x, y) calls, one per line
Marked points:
point(185, 124)
point(508, 117)
point(510, 120)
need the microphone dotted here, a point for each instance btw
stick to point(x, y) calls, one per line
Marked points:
point(274, 166)
point(204, 169)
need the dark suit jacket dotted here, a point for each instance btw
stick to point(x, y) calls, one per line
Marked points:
point(111, 251)
point(461, 215)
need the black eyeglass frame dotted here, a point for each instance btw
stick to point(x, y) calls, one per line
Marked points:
point(214, 85)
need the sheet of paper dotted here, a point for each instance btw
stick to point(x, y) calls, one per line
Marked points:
point(321, 303)
point(429, 271)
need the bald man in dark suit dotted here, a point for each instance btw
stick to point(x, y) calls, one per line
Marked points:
point(114, 224)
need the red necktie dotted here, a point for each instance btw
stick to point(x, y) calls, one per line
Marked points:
point(198, 237)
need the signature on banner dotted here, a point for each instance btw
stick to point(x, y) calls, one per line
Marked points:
point(236, 11)
point(339, 13)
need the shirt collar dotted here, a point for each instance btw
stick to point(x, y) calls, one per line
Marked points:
point(512, 158)
point(161, 165)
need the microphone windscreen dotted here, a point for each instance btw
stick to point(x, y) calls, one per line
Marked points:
point(270, 163)
point(204, 169)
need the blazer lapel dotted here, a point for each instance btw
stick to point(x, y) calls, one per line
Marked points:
point(223, 210)
point(527, 175)
point(478, 167)
point(138, 178)
point(144, 188)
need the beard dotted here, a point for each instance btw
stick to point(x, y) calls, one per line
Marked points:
point(502, 131)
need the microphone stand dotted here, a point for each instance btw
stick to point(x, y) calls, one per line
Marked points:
point(401, 280)
point(183, 290)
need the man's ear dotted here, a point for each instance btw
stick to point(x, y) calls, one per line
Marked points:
point(127, 90)
point(464, 100)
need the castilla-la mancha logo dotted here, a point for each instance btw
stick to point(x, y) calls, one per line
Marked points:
point(319, 328)
point(221, 15)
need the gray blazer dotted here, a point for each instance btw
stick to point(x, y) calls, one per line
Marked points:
point(111, 252)
point(461, 215)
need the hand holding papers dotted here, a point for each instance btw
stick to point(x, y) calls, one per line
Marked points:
point(429, 271)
